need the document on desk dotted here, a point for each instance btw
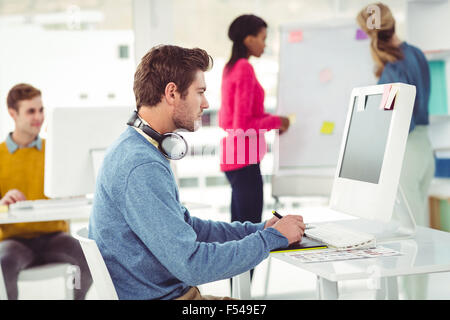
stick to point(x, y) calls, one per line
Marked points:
point(327, 255)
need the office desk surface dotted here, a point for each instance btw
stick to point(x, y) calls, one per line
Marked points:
point(47, 214)
point(427, 252)
point(62, 213)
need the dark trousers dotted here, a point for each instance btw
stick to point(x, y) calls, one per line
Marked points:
point(17, 254)
point(247, 195)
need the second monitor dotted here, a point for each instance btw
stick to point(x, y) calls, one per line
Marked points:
point(76, 140)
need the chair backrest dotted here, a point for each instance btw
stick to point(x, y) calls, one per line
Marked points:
point(100, 274)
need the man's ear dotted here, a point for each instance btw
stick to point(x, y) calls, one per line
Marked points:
point(13, 113)
point(171, 94)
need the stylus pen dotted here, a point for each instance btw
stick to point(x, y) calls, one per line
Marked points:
point(279, 216)
point(276, 214)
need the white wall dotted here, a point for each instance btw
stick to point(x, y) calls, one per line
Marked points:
point(76, 68)
point(153, 25)
point(428, 24)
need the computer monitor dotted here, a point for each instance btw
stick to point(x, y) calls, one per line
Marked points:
point(76, 140)
point(371, 156)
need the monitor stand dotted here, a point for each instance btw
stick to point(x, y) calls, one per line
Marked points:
point(401, 226)
point(402, 214)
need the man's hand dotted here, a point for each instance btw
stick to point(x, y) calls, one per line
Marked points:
point(12, 196)
point(271, 222)
point(292, 227)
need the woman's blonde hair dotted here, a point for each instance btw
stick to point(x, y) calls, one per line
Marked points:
point(382, 50)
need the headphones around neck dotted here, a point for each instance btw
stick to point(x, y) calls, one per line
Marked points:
point(172, 145)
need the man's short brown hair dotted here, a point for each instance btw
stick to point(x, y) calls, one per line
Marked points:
point(20, 92)
point(164, 64)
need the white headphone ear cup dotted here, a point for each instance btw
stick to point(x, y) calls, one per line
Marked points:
point(173, 146)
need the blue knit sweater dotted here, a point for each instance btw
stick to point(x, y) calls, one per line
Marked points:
point(152, 246)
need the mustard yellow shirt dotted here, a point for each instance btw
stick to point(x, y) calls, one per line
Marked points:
point(23, 169)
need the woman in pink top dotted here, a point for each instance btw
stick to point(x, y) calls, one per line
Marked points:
point(243, 117)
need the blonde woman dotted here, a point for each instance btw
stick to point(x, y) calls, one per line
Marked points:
point(398, 61)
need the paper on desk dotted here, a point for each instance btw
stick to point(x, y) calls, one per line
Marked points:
point(326, 255)
point(3, 209)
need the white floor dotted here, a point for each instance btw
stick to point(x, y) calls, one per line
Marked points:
point(284, 281)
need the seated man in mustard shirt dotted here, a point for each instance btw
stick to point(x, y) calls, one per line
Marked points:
point(23, 245)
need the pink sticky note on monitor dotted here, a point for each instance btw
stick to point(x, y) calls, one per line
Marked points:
point(387, 89)
point(390, 101)
point(295, 36)
point(361, 35)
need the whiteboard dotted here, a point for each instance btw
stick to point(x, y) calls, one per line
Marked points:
point(319, 66)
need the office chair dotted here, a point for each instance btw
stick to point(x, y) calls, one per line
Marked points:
point(100, 274)
point(45, 272)
point(51, 271)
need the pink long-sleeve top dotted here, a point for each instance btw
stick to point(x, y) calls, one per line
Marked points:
point(243, 117)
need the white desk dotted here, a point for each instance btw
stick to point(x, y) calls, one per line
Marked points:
point(427, 252)
point(47, 214)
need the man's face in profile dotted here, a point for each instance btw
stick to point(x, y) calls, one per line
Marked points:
point(188, 113)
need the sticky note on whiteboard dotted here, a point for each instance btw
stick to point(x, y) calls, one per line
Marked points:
point(325, 75)
point(292, 118)
point(295, 36)
point(361, 35)
point(327, 127)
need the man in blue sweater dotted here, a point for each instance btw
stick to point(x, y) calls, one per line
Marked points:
point(152, 246)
